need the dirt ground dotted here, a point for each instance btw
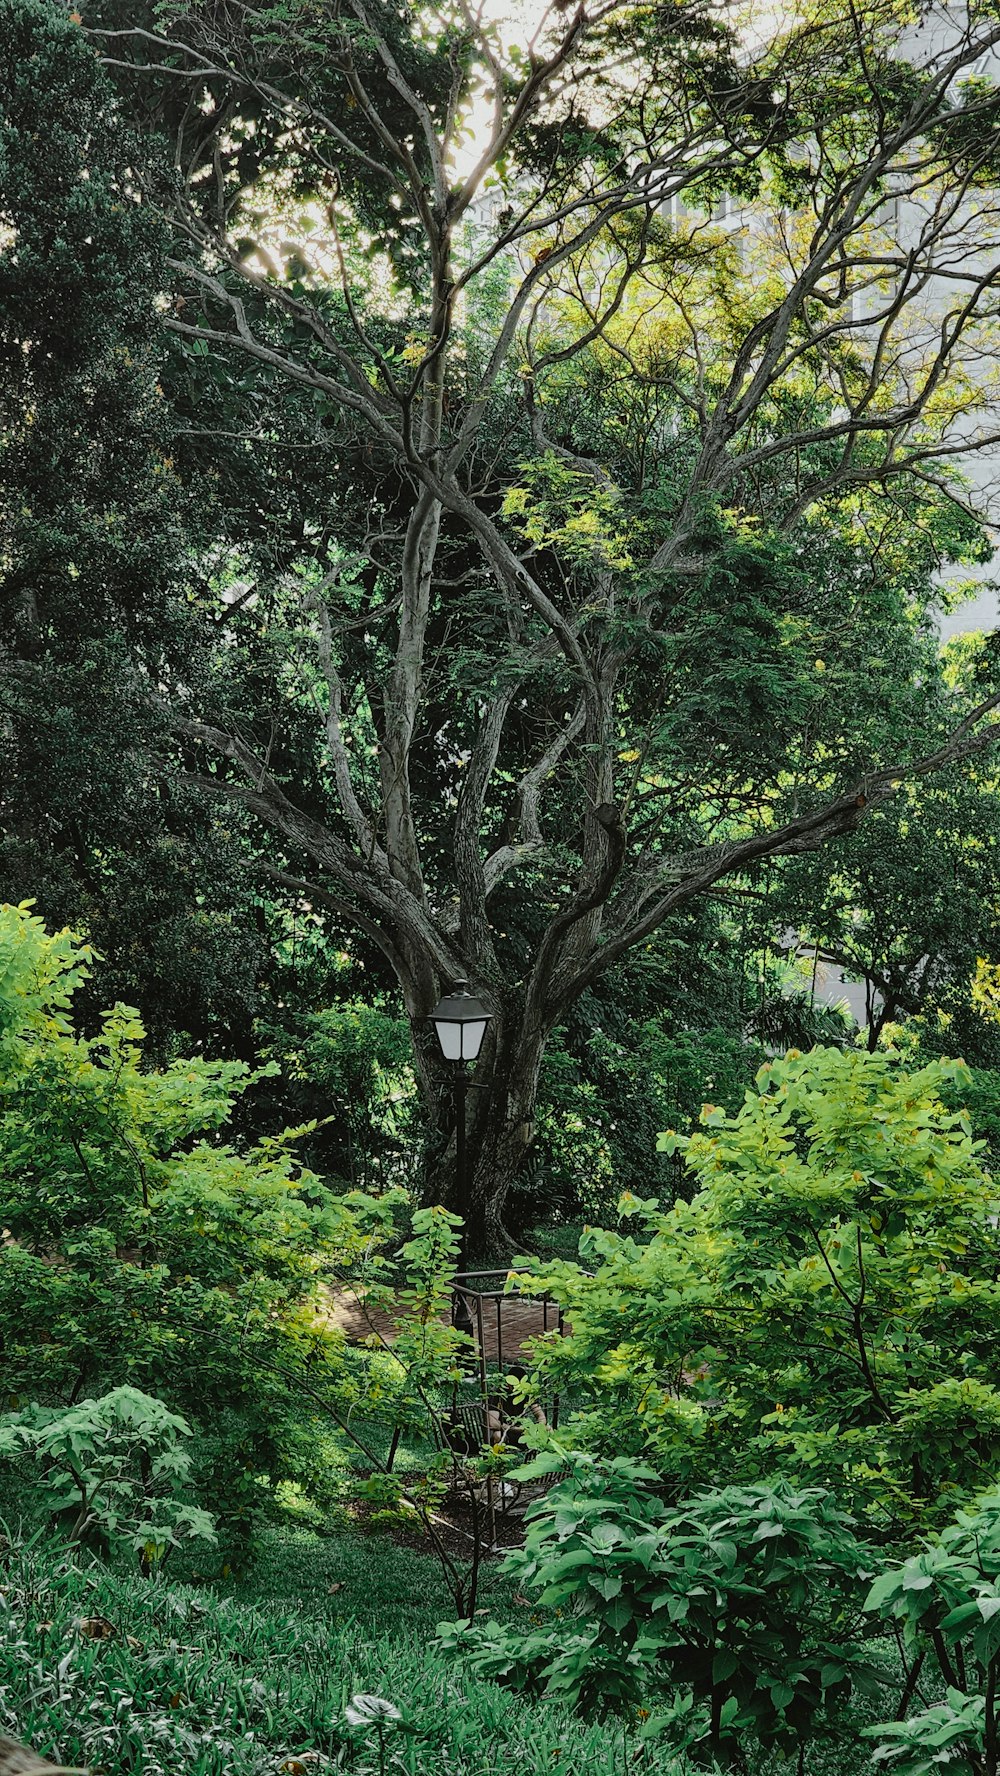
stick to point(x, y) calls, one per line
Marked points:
point(507, 1324)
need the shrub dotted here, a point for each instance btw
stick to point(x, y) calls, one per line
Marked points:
point(113, 1468)
point(141, 1250)
point(945, 1605)
point(737, 1611)
point(825, 1306)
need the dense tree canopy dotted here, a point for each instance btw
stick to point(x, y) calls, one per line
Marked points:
point(564, 441)
point(95, 588)
point(478, 495)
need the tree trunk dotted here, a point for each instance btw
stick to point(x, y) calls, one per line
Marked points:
point(20, 1760)
point(500, 1110)
point(496, 1162)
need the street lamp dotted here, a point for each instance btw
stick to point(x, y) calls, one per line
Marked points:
point(460, 1021)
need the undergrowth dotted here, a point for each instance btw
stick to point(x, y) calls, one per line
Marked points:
point(104, 1669)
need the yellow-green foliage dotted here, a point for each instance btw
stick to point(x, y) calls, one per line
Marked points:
point(825, 1305)
point(139, 1245)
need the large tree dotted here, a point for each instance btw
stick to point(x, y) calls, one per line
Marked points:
point(562, 591)
point(96, 602)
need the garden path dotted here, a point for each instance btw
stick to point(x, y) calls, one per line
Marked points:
point(521, 1321)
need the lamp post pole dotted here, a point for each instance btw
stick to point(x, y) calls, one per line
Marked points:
point(460, 1021)
point(461, 1176)
point(461, 1318)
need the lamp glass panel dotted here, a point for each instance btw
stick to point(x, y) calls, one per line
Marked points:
point(450, 1038)
point(472, 1038)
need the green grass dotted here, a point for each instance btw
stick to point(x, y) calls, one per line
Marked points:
point(189, 1683)
point(382, 1588)
point(254, 1678)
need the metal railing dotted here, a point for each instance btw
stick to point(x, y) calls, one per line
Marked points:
point(488, 1300)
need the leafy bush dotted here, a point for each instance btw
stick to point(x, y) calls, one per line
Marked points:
point(140, 1248)
point(737, 1612)
point(824, 1307)
point(945, 1604)
point(941, 1738)
point(115, 1467)
point(143, 1251)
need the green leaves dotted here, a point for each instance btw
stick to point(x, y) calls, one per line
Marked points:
point(143, 1252)
point(38, 977)
point(824, 1305)
point(743, 1597)
point(943, 1738)
point(946, 1603)
point(115, 1464)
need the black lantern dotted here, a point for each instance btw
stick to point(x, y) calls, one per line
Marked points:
point(460, 1020)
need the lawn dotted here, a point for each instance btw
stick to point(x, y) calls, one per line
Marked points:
point(99, 1667)
point(354, 1580)
point(102, 1668)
